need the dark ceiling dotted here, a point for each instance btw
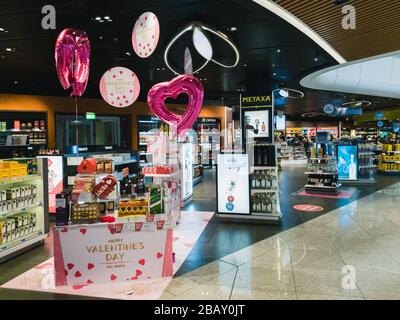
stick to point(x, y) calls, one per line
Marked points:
point(273, 53)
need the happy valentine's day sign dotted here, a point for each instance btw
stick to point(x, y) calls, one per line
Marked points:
point(110, 253)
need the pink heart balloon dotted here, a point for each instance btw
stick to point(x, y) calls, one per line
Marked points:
point(72, 54)
point(187, 84)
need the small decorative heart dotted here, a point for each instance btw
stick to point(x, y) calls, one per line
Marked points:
point(134, 278)
point(89, 281)
point(78, 287)
point(83, 231)
point(138, 272)
point(113, 277)
point(159, 255)
point(90, 266)
point(186, 84)
point(78, 274)
point(142, 262)
point(70, 266)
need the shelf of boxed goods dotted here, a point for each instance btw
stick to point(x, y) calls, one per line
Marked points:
point(321, 187)
point(34, 213)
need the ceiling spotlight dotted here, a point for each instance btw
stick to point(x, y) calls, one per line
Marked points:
point(158, 69)
point(10, 49)
point(232, 29)
point(274, 74)
point(273, 65)
point(101, 20)
point(163, 69)
point(101, 37)
point(205, 79)
point(128, 53)
point(283, 93)
point(245, 65)
point(278, 50)
point(107, 17)
point(98, 18)
point(2, 30)
point(15, 82)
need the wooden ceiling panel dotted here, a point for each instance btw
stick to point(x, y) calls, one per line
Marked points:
point(377, 25)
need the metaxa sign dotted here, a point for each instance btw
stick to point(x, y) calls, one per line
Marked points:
point(256, 100)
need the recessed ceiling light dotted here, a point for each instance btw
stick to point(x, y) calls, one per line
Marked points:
point(232, 29)
point(274, 73)
point(2, 30)
point(15, 82)
point(107, 17)
point(283, 93)
point(101, 20)
point(273, 64)
point(98, 18)
point(278, 50)
point(245, 65)
point(205, 79)
point(128, 53)
point(101, 37)
point(163, 69)
point(158, 69)
point(9, 49)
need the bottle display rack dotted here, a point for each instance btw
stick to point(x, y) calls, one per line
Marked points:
point(322, 176)
point(366, 163)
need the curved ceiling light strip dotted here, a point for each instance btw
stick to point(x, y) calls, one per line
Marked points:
point(300, 25)
point(374, 76)
point(201, 28)
point(355, 104)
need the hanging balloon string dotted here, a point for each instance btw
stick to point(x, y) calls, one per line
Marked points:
point(76, 122)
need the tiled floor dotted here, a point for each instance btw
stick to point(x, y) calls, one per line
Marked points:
point(311, 261)
point(302, 258)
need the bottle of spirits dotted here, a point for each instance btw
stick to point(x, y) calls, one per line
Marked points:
point(352, 168)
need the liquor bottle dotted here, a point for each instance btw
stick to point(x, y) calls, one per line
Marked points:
point(352, 168)
point(62, 209)
point(263, 127)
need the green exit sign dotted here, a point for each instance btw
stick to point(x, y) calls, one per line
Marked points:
point(90, 115)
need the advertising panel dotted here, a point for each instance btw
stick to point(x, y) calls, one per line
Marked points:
point(233, 183)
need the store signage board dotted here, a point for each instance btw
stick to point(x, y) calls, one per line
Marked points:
point(347, 162)
point(233, 184)
point(257, 101)
point(90, 116)
point(108, 253)
point(145, 34)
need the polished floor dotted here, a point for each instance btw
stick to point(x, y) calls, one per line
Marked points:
point(303, 258)
point(352, 252)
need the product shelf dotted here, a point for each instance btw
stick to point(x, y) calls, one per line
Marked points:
point(18, 210)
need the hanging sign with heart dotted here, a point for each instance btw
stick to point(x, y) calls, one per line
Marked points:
point(184, 84)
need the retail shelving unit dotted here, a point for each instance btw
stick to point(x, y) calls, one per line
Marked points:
point(23, 210)
point(389, 162)
point(366, 166)
point(322, 176)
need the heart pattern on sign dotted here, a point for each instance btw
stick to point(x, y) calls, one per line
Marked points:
point(145, 34)
point(142, 262)
point(90, 266)
point(113, 277)
point(186, 84)
point(138, 272)
point(83, 231)
point(89, 281)
point(70, 266)
point(78, 274)
point(159, 255)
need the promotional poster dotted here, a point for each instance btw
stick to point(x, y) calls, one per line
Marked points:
point(233, 182)
point(348, 163)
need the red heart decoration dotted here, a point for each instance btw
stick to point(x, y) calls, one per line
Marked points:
point(138, 272)
point(78, 287)
point(159, 255)
point(89, 281)
point(78, 274)
point(90, 266)
point(83, 231)
point(113, 277)
point(142, 262)
point(70, 266)
point(134, 278)
point(186, 84)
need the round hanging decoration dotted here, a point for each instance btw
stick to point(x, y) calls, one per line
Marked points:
point(307, 208)
point(145, 34)
point(380, 124)
point(119, 87)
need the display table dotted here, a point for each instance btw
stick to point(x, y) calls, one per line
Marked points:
point(114, 252)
